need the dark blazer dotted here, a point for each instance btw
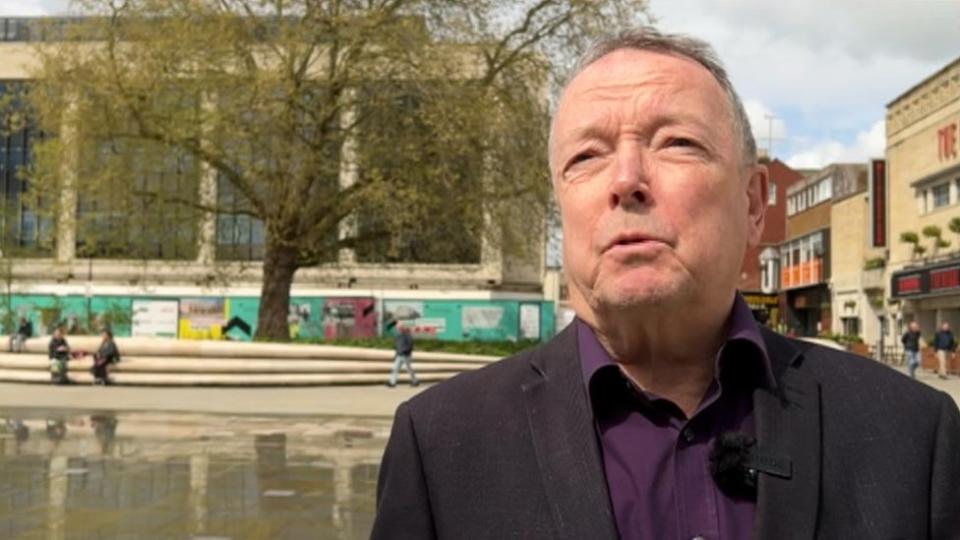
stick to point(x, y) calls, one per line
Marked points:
point(509, 451)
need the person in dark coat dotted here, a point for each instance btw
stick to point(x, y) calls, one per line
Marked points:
point(911, 346)
point(944, 343)
point(59, 352)
point(106, 355)
point(403, 345)
point(24, 332)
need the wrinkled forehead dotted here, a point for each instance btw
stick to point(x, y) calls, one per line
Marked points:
point(643, 79)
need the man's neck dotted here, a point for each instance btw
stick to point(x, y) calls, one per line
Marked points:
point(672, 355)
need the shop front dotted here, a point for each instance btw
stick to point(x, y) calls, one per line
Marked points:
point(765, 308)
point(808, 310)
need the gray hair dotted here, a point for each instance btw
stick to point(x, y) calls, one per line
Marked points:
point(647, 38)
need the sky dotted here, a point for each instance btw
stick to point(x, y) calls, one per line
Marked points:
point(823, 69)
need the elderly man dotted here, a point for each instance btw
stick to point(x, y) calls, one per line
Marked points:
point(664, 411)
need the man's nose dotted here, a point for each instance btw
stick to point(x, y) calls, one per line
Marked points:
point(630, 186)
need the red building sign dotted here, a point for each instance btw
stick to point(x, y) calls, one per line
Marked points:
point(942, 278)
point(948, 278)
point(911, 284)
point(947, 142)
point(878, 200)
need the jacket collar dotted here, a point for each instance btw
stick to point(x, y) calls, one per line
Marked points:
point(788, 420)
point(564, 439)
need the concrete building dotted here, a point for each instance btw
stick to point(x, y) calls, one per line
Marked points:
point(923, 159)
point(760, 274)
point(856, 265)
point(53, 276)
point(806, 252)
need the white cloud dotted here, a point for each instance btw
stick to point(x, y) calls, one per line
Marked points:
point(32, 8)
point(868, 144)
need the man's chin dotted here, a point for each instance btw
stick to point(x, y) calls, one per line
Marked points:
point(640, 296)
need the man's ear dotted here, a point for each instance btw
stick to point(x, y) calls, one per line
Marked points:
point(758, 189)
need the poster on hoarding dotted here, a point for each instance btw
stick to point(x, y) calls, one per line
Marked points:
point(529, 321)
point(410, 315)
point(481, 317)
point(202, 318)
point(155, 318)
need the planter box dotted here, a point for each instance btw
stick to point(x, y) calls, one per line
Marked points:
point(859, 348)
point(929, 361)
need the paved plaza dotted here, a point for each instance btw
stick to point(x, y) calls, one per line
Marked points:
point(85, 462)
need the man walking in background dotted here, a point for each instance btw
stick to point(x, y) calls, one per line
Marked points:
point(944, 343)
point(403, 344)
point(911, 347)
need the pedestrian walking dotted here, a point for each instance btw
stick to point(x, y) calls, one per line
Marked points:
point(944, 343)
point(59, 351)
point(911, 346)
point(403, 345)
point(106, 355)
point(24, 332)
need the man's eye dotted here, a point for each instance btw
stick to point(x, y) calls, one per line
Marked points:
point(681, 141)
point(581, 157)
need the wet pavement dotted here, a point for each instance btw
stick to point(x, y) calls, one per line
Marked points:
point(118, 475)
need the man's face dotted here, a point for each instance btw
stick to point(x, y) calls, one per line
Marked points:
point(655, 199)
point(914, 326)
point(945, 326)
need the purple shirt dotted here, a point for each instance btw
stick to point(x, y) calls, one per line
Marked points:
point(655, 459)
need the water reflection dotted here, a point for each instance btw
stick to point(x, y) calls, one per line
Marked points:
point(162, 476)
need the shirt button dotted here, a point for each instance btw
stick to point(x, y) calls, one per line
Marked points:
point(688, 436)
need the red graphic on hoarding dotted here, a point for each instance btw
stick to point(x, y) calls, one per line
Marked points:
point(948, 278)
point(947, 139)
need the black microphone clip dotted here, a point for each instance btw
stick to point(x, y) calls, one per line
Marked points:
point(736, 463)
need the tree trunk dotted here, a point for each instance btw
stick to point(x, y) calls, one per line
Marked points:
point(279, 266)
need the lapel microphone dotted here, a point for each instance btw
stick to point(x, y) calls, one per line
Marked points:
point(736, 463)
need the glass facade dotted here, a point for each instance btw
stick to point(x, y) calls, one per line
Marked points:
point(24, 230)
point(134, 201)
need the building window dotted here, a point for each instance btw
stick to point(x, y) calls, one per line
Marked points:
point(129, 202)
point(941, 196)
point(772, 197)
point(851, 325)
point(23, 230)
point(825, 189)
point(240, 236)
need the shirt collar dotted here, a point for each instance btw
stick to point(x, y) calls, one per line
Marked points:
point(741, 327)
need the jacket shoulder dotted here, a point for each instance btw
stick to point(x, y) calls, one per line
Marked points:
point(498, 380)
point(866, 383)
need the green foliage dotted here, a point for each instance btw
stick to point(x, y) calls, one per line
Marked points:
point(932, 231)
point(909, 237)
point(919, 250)
point(486, 348)
point(942, 243)
point(874, 263)
point(844, 339)
point(954, 225)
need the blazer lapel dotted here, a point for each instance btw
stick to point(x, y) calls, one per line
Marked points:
point(788, 424)
point(561, 423)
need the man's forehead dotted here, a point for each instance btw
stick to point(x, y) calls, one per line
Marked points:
point(629, 69)
point(640, 78)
